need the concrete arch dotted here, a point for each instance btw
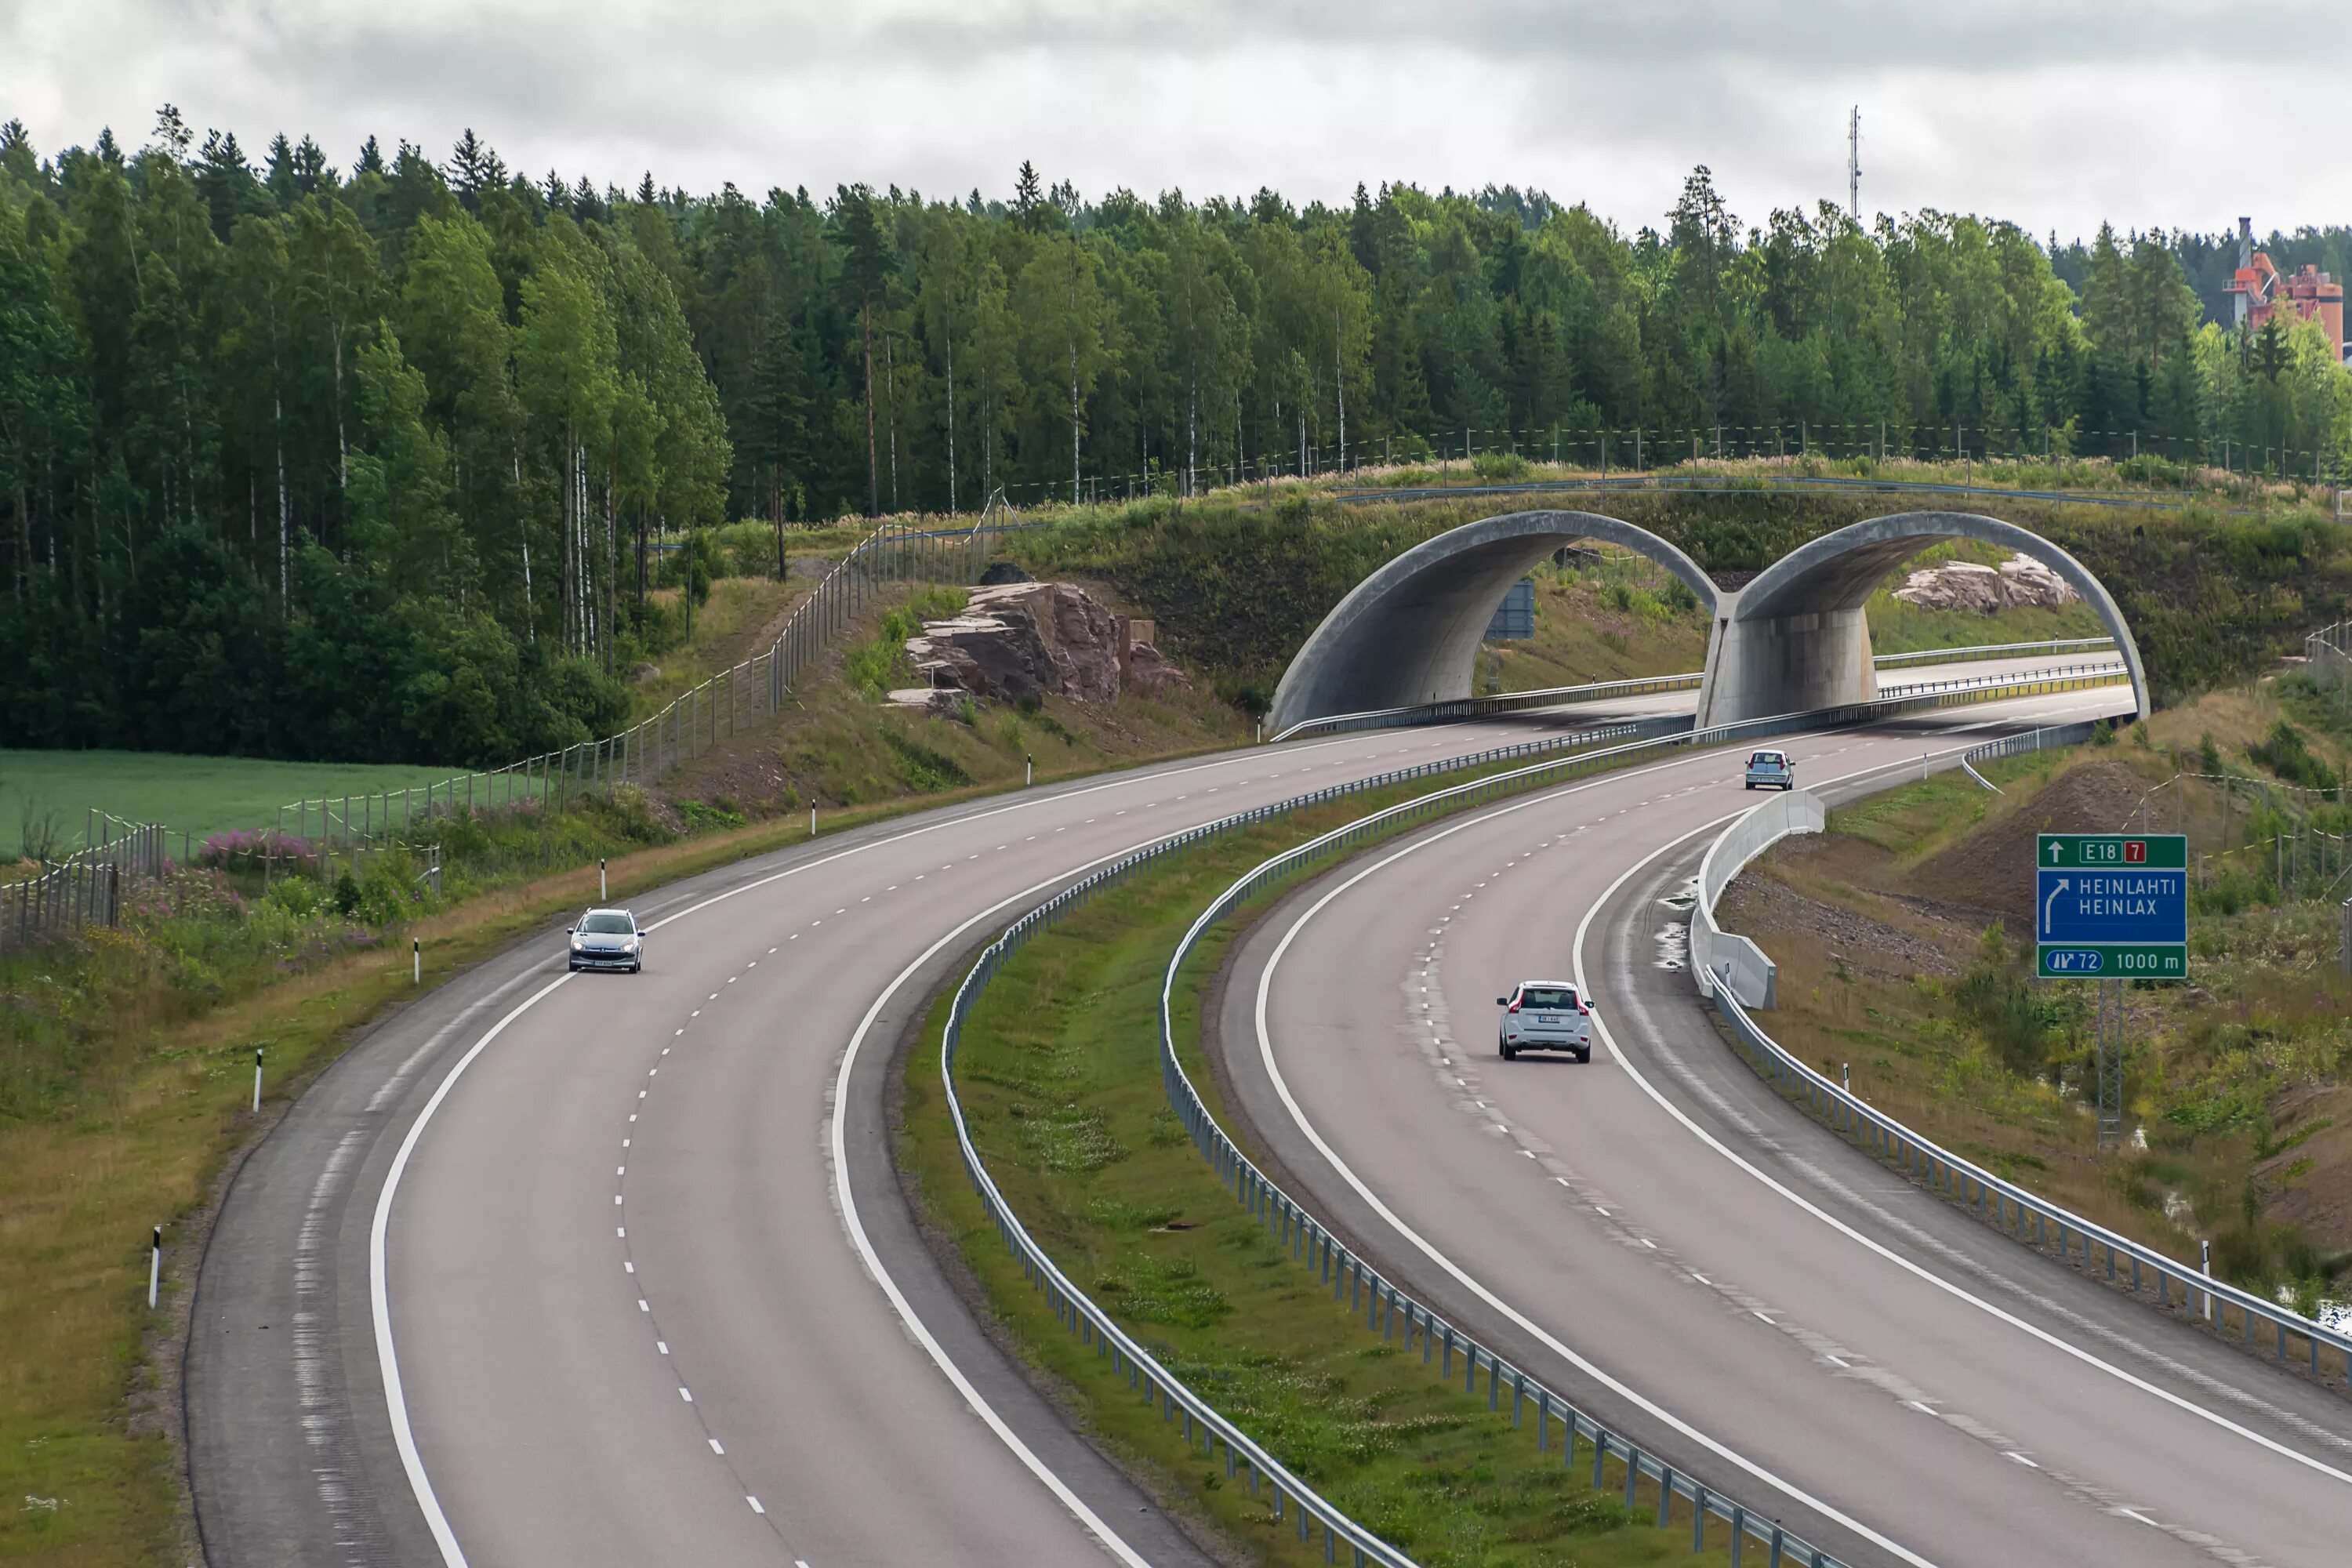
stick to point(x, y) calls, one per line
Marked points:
point(1409, 634)
point(1795, 638)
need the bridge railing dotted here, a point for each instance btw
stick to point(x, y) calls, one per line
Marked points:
point(1459, 709)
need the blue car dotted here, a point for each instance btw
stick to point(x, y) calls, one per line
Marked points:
point(1770, 770)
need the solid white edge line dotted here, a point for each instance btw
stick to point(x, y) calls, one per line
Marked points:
point(1070, 1499)
point(1850, 1233)
point(1461, 1276)
point(380, 1301)
point(395, 1398)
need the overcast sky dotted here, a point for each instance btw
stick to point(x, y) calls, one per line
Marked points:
point(2055, 115)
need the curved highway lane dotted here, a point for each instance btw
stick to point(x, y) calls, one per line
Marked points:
point(605, 1268)
point(1661, 1234)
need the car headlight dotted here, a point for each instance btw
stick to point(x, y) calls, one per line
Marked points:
point(575, 944)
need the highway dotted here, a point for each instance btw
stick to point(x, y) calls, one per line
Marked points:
point(600, 1268)
point(1658, 1234)
point(587, 1270)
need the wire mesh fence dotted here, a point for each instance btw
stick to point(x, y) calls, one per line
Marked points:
point(85, 889)
point(702, 717)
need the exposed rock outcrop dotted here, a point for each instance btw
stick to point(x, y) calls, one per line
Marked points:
point(1962, 585)
point(1020, 641)
point(1003, 572)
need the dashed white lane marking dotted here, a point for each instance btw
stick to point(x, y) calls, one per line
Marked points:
point(754, 1502)
point(2013, 1454)
point(661, 1347)
point(643, 1305)
point(684, 1395)
point(1761, 1317)
point(2139, 1518)
point(715, 1448)
point(1838, 1361)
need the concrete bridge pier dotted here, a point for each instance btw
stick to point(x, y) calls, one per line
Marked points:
point(1783, 664)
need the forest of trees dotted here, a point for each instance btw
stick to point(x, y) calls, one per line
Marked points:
point(307, 461)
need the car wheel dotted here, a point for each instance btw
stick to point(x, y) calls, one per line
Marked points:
point(1506, 1048)
point(571, 965)
point(1585, 1055)
point(639, 967)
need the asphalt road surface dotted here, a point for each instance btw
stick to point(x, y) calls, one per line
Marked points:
point(603, 1269)
point(1658, 1234)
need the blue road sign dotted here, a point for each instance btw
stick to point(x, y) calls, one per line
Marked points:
point(2111, 906)
point(2127, 905)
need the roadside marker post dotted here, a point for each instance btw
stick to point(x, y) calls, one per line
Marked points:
point(602, 891)
point(416, 954)
point(1029, 769)
point(154, 1268)
point(256, 1081)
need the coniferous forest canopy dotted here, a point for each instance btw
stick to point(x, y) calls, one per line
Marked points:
point(311, 462)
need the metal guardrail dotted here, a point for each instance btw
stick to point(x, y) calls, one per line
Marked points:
point(1987, 651)
point(2048, 738)
point(1385, 1305)
point(693, 723)
point(1463, 707)
point(2004, 1204)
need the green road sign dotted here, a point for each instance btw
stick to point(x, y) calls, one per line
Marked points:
point(2112, 961)
point(2113, 851)
point(2111, 906)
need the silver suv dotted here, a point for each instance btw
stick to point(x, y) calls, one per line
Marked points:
point(1770, 770)
point(608, 939)
point(1545, 1015)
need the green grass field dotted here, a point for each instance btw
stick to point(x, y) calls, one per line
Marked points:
point(196, 796)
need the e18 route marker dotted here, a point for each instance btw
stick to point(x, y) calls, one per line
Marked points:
point(2111, 906)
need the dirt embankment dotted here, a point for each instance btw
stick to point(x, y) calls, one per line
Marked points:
point(1993, 868)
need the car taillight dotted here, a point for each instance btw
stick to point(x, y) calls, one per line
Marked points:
point(1514, 1004)
point(1586, 1011)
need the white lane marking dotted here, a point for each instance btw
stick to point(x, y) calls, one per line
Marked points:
point(682, 1393)
point(1916, 1270)
point(2013, 1454)
point(662, 1346)
point(1421, 1244)
point(379, 1296)
point(395, 1398)
point(755, 1504)
point(846, 1202)
point(716, 1448)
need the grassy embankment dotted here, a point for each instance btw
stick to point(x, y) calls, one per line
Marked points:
point(1903, 937)
point(124, 1058)
point(1061, 1086)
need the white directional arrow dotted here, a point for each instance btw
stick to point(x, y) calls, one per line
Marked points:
point(2053, 853)
point(2056, 889)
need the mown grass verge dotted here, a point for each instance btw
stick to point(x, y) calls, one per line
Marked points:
point(1058, 1073)
point(134, 1124)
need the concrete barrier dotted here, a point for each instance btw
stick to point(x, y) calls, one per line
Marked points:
point(1718, 957)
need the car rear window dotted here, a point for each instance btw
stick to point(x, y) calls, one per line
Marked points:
point(607, 925)
point(1767, 759)
point(1547, 996)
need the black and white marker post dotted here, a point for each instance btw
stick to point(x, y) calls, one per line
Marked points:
point(416, 955)
point(600, 892)
point(256, 1081)
point(1029, 777)
point(155, 1268)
